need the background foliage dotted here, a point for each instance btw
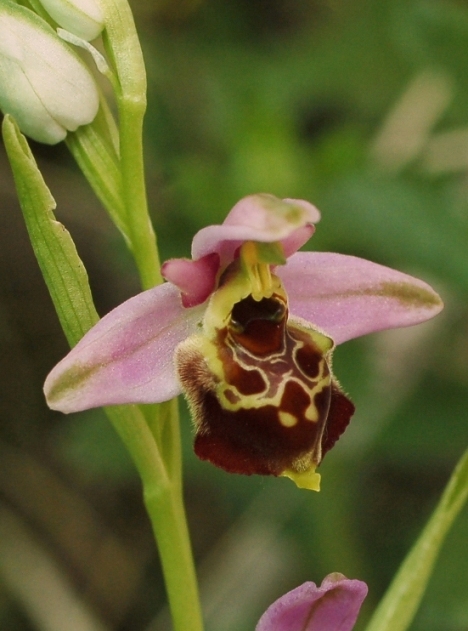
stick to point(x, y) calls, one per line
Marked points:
point(360, 107)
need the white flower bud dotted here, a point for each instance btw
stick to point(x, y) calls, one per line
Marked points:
point(83, 18)
point(44, 84)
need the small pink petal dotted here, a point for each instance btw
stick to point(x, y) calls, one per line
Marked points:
point(127, 357)
point(334, 606)
point(260, 217)
point(255, 211)
point(297, 239)
point(346, 296)
point(195, 279)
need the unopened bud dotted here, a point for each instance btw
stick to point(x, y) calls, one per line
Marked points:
point(83, 18)
point(44, 84)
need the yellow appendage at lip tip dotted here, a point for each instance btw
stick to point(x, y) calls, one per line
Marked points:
point(305, 480)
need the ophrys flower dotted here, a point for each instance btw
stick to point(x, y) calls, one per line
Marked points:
point(246, 329)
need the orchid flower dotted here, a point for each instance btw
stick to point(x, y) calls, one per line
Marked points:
point(334, 606)
point(246, 329)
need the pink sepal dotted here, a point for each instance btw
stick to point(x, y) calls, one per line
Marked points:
point(347, 297)
point(127, 357)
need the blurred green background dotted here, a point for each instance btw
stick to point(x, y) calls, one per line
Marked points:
point(360, 106)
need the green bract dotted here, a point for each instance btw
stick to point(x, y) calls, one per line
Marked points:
point(44, 85)
point(83, 18)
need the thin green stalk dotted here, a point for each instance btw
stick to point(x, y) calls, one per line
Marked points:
point(166, 509)
point(164, 504)
point(163, 421)
point(400, 604)
point(132, 428)
point(134, 192)
point(124, 51)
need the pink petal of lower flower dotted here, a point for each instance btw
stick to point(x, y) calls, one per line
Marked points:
point(346, 296)
point(127, 357)
point(334, 606)
point(262, 218)
point(195, 279)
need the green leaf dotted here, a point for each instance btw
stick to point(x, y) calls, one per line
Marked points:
point(67, 281)
point(399, 605)
point(62, 268)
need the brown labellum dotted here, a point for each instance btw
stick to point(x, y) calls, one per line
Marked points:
point(262, 394)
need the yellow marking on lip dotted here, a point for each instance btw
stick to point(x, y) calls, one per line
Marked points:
point(286, 419)
point(312, 413)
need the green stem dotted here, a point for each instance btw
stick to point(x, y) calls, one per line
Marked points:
point(164, 503)
point(124, 51)
point(142, 236)
point(163, 495)
point(132, 428)
point(150, 433)
point(163, 422)
point(166, 508)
